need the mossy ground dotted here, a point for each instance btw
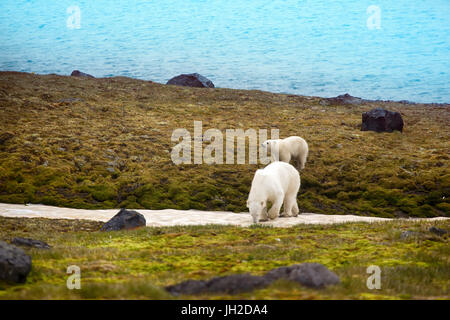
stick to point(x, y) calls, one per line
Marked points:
point(139, 263)
point(105, 143)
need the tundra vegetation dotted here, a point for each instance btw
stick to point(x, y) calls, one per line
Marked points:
point(140, 263)
point(105, 143)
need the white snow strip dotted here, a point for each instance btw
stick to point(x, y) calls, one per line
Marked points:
point(172, 217)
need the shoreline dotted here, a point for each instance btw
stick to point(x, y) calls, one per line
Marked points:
point(350, 100)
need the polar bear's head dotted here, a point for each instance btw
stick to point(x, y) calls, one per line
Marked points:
point(256, 208)
point(269, 144)
point(272, 146)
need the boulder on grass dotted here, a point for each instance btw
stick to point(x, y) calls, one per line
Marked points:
point(438, 231)
point(232, 284)
point(78, 73)
point(191, 80)
point(313, 275)
point(14, 263)
point(345, 99)
point(124, 220)
point(30, 243)
point(381, 120)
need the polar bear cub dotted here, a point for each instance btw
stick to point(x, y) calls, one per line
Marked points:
point(293, 147)
point(278, 183)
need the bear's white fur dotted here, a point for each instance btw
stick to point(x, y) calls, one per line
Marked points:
point(278, 183)
point(295, 148)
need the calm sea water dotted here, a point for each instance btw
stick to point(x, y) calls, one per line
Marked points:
point(310, 47)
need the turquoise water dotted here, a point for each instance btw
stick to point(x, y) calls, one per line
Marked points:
point(310, 47)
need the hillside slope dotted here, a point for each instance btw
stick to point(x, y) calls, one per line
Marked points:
point(106, 143)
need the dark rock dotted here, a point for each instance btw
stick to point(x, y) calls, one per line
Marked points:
point(409, 234)
point(345, 99)
point(5, 136)
point(187, 287)
point(314, 275)
point(236, 283)
point(125, 219)
point(30, 243)
point(381, 120)
point(406, 102)
point(77, 73)
point(14, 263)
point(438, 231)
point(191, 80)
point(232, 284)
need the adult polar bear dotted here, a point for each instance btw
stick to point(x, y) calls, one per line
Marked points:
point(278, 183)
point(293, 147)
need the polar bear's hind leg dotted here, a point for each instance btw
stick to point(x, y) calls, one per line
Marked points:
point(303, 156)
point(295, 209)
point(290, 207)
point(286, 207)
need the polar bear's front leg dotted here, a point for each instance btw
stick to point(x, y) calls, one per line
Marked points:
point(264, 216)
point(285, 157)
point(276, 206)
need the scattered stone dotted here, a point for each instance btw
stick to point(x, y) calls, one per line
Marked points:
point(191, 80)
point(409, 234)
point(30, 243)
point(381, 120)
point(124, 219)
point(405, 102)
point(344, 99)
point(14, 263)
point(232, 284)
point(313, 275)
point(187, 287)
point(438, 231)
point(77, 73)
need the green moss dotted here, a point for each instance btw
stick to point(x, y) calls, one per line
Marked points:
point(102, 192)
point(139, 263)
point(397, 175)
